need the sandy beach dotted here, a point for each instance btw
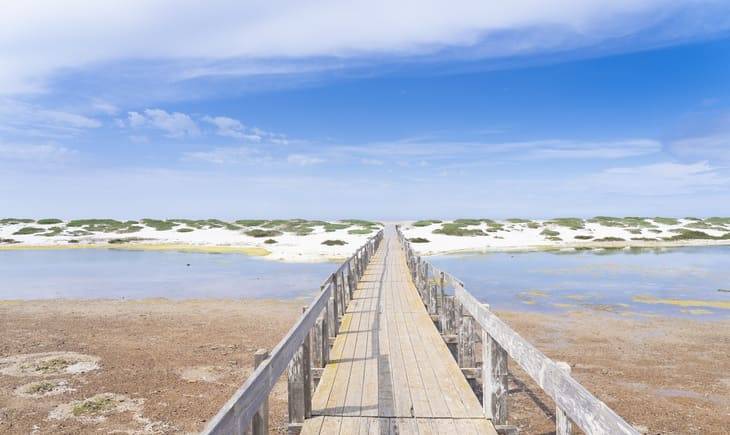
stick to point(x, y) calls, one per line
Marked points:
point(161, 366)
point(317, 241)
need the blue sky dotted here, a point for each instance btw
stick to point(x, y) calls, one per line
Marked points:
point(387, 110)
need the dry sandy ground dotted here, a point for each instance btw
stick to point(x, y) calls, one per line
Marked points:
point(160, 366)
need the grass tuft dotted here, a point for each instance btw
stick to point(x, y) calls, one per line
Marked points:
point(50, 221)
point(334, 242)
point(28, 230)
point(419, 240)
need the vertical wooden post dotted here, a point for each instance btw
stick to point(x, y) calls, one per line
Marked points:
point(335, 306)
point(317, 348)
point(466, 342)
point(325, 340)
point(448, 324)
point(299, 382)
point(260, 422)
point(563, 426)
point(494, 380)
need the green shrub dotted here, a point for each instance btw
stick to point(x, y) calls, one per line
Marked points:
point(330, 227)
point(250, 222)
point(12, 221)
point(334, 242)
point(28, 230)
point(518, 221)
point(718, 220)
point(418, 240)
point(361, 231)
point(582, 237)
point(270, 241)
point(695, 235)
point(49, 221)
point(572, 223)
point(549, 233)
point(158, 224)
point(426, 222)
point(101, 225)
point(185, 230)
point(454, 229)
point(258, 232)
point(53, 231)
point(666, 221)
point(533, 225)
point(8, 241)
point(125, 240)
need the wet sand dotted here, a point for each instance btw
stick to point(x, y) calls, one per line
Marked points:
point(162, 366)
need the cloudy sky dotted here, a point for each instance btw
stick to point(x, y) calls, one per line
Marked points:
point(373, 109)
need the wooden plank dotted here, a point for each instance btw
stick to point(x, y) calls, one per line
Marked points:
point(330, 425)
point(419, 396)
point(338, 393)
point(369, 404)
point(353, 397)
point(563, 426)
point(586, 411)
point(312, 426)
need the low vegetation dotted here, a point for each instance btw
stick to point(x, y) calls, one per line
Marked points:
point(13, 221)
point(518, 221)
point(549, 233)
point(93, 406)
point(334, 242)
point(258, 232)
point(684, 234)
point(270, 241)
point(459, 229)
point(158, 224)
point(666, 221)
point(583, 237)
point(8, 241)
point(419, 240)
point(50, 221)
point(610, 239)
point(29, 230)
point(426, 222)
point(572, 223)
point(185, 230)
point(41, 387)
point(361, 231)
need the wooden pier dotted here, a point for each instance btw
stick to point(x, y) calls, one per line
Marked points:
point(392, 345)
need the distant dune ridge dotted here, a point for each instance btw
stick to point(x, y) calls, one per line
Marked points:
point(317, 240)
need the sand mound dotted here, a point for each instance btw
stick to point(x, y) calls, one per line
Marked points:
point(48, 364)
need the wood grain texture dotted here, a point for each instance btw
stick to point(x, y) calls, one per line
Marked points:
point(389, 370)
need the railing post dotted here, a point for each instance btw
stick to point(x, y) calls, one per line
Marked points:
point(447, 321)
point(335, 325)
point(466, 341)
point(563, 426)
point(494, 380)
point(260, 421)
point(299, 382)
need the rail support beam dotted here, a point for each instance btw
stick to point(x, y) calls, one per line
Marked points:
point(563, 426)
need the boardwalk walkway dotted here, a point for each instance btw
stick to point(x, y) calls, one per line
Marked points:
point(389, 369)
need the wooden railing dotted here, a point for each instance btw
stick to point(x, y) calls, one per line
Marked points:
point(460, 315)
point(304, 351)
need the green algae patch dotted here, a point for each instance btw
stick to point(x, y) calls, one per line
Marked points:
point(725, 305)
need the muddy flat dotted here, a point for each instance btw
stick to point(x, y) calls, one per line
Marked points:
point(162, 366)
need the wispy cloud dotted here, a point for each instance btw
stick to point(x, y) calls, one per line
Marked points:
point(303, 160)
point(228, 155)
point(229, 127)
point(175, 124)
point(34, 152)
point(666, 178)
point(714, 146)
point(69, 35)
point(32, 120)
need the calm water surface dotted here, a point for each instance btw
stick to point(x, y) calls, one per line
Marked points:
point(102, 273)
point(614, 280)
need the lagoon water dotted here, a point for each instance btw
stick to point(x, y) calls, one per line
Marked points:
point(614, 280)
point(106, 273)
point(608, 280)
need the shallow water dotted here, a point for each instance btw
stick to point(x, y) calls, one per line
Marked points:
point(104, 273)
point(677, 281)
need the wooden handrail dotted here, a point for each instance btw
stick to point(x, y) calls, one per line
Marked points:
point(236, 415)
point(585, 410)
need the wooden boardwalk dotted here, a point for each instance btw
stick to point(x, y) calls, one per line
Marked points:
point(389, 369)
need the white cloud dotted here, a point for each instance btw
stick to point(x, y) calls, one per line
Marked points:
point(714, 147)
point(175, 124)
point(34, 152)
point(665, 178)
point(228, 155)
point(104, 107)
point(229, 127)
point(303, 160)
point(41, 37)
point(590, 149)
point(31, 120)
